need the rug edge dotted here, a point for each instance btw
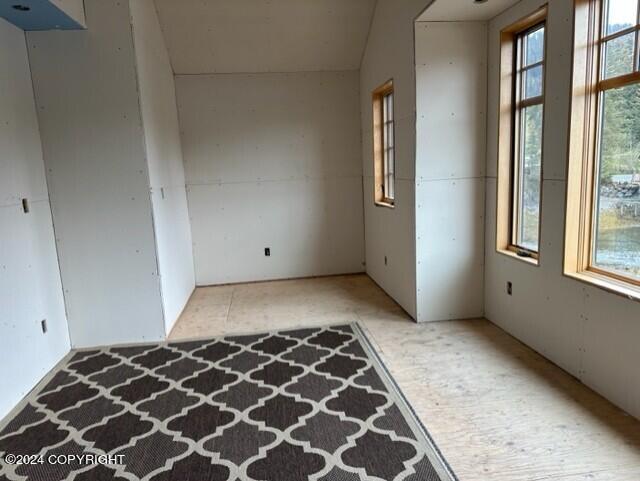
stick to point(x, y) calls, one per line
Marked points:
point(391, 382)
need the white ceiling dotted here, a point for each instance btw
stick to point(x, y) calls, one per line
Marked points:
point(224, 36)
point(464, 10)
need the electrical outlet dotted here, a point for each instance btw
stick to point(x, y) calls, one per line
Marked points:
point(509, 288)
point(43, 325)
point(162, 192)
point(267, 251)
point(25, 206)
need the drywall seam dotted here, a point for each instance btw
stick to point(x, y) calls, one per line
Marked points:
point(46, 179)
point(164, 40)
point(416, 297)
point(426, 180)
point(486, 156)
point(271, 72)
point(189, 201)
point(156, 87)
point(148, 176)
point(273, 180)
point(366, 42)
point(415, 20)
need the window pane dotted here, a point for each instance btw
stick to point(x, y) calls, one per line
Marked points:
point(534, 47)
point(391, 184)
point(533, 82)
point(617, 243)
point(528, 187)
point(388, 142)
point(385, 166)
point(385, 110)
point(620, 14)
point(618, 56)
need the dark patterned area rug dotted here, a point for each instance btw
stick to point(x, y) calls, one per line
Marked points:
point(293, 405)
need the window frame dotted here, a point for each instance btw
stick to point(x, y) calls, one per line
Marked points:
point(379, 96)
point(584, 140)
point(508, 131)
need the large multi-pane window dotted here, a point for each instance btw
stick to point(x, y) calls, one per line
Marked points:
point(522, 67)
point(616, 226)
point(384, 144)
point(527, 141)
point(603, 191)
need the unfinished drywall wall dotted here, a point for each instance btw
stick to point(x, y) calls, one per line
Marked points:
point(94, 152)
point(272, 161)
point(390, 233)
point(591, 333)
point(164, 159)
point(30, 287)
point(450, 161)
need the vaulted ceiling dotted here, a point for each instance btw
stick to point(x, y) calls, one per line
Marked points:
point(464, 10)
point(227, 36)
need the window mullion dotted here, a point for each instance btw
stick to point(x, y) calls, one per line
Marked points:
point(620, 33)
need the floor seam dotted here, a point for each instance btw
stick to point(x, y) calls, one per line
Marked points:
point(233, 292)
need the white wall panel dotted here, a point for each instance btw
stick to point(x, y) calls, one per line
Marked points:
point(389, 54)
point(164, 159)
point(386, 232)
point(451, 120)
point(308, 224)
point(30, 288)
point(88, 106)
point(449, 242)
point(272, 160)
point(450, 159)
point(589, 332)
point(269, 126)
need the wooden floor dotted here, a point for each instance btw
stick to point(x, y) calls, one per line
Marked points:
point(497, 410)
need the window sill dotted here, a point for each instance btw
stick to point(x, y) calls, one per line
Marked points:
point(528, 260)
point(609, 284)
point(384, 204)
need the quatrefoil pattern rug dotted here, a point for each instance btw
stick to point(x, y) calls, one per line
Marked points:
point(312, 404)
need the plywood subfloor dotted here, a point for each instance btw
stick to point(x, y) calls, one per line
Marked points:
point(497, 410)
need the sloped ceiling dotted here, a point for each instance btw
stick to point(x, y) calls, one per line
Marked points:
point(229, 36)
point(464, 10)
